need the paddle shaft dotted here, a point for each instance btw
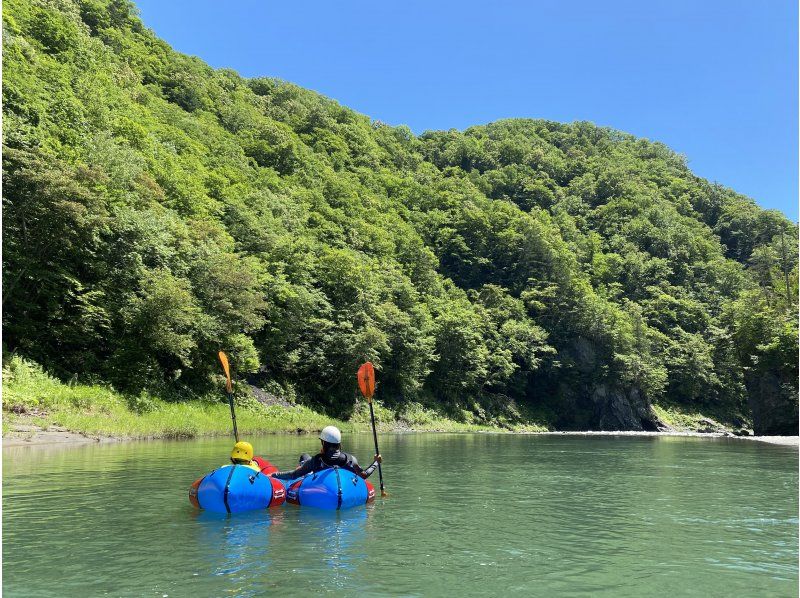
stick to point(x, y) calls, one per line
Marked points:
point(233, 417)
point(377, 452)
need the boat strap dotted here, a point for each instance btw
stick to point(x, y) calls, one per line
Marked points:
point(339, 488)
point(227, 487)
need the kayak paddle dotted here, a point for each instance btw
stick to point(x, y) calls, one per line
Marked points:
point(366, 382)
point(229, 389)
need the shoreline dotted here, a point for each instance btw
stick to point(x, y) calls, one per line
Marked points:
point(40, 410)
point(63, 437)
point(777, 440)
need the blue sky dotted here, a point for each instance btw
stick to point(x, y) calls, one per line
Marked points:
point(716, 80)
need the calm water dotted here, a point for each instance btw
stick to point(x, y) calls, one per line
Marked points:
point(467, 515)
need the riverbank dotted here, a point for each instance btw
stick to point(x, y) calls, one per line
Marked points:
point(54, 435)
point(781, 440)
point(35, 430)
point(39, 409)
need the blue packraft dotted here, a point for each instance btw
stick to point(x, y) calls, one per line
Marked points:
point(332, 488)
point(236, 488)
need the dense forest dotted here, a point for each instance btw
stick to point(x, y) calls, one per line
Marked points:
point(156, 210)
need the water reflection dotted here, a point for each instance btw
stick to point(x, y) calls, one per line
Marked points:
point(248, 548)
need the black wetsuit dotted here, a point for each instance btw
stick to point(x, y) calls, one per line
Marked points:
point(330, 458)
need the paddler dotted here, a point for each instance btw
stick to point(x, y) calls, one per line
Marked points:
point(242, 454)
point(330, 455)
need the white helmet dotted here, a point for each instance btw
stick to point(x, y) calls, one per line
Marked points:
point(331, 434)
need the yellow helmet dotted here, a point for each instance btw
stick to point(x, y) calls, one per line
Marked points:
point(242, 451)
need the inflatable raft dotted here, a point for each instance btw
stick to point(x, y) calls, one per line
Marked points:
point(238, 488)
point(333, 488)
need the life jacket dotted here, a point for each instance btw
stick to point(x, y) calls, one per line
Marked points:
point(251, 465)
point(339, 458)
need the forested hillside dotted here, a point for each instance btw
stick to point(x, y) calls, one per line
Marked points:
point(156, 210)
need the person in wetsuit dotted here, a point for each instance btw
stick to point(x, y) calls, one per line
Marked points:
point(330, 455)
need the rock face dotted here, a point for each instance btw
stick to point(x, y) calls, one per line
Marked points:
point(617, 409)
point(607, 408)
point(588, 402)
point(267, 398)
point(773, 402)
point(709, 426)
point(598, 405)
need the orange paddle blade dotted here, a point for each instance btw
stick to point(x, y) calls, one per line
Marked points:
point(366, 380)
point(224, 360)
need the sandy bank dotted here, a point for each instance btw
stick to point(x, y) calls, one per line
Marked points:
point(32, 436)
point(782, 440)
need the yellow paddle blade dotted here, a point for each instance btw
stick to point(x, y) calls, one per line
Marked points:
point(225, 366)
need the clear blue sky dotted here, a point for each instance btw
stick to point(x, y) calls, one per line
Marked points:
point(716, 80)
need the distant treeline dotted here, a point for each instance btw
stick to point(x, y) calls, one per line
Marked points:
point(156, 210)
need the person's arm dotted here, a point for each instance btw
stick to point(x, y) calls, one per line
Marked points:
point(369, 470)
point(305, 468)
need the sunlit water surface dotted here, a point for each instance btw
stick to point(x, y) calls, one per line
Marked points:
point(467, 515)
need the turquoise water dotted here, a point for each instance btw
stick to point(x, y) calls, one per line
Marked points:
point(467, 514)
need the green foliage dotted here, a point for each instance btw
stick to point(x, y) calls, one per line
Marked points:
point(33, 397)
point(157, 210)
